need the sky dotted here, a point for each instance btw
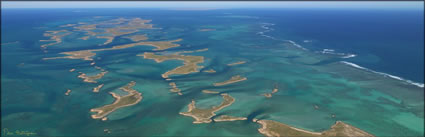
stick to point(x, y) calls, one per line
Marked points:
point(213, 4)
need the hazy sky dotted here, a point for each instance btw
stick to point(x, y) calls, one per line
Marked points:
point(212, 4)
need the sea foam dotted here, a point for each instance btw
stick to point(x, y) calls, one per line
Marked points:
point(421, 85)
point(332, 52)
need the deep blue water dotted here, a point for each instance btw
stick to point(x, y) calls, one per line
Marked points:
point(389, 41)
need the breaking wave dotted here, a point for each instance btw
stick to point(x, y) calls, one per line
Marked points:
point(332, 52)
point(421, 85)
point(267, 28)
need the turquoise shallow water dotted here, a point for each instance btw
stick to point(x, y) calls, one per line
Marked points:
point(33, 89)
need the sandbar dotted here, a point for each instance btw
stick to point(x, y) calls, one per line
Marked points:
point(133, 97)
point(236, 63)
point(204, 115)
point(209, 71)
point(67, 92)
point(275, 90)
point(233, 79)
point(96, 89)
point(210, 92)
point(174, 88)
point(207, 29)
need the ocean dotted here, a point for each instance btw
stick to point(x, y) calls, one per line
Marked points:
point(364, 66)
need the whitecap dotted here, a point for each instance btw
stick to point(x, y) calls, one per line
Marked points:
point(421, 85)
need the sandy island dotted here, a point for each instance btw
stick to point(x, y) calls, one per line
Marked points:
point(133, 97)
point(67, 92)
point(91, 79)
point(275, 90)
point(233, 79)
point(96, 89)
point(54, 36)
point(209, 71)
point(272, 128)
point(174, 88)
point(204, 115)
point(190, 63)
point(228, 118)
point(236, 63)
point(210, 92)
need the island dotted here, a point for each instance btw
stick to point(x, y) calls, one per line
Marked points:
point(91, 79)
point(190, 63)
point(55, 36)
point(272, 128)
point(174, 88)
point(133, 97)
point(228, 118)
point(210, 92)
point(96, 89)
point(209, 71)
point(205, 115)
point(275, 90)
point(236, 63)
point(233, 79)
point(109, 39)
point(67, 92)
point(122, 26)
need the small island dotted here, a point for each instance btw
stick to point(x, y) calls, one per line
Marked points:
point(55, 36)
point(174, 88)
point(275, 90)
point(109, 39)
point(236, 63)
point(96, 89)
point(133, 97)
point(205, 115)
point(91, 79)
point(210, 92)
point(67, 92)
point(233, 79)
point(190, 63)
point(228, 118)
point(272, 128)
